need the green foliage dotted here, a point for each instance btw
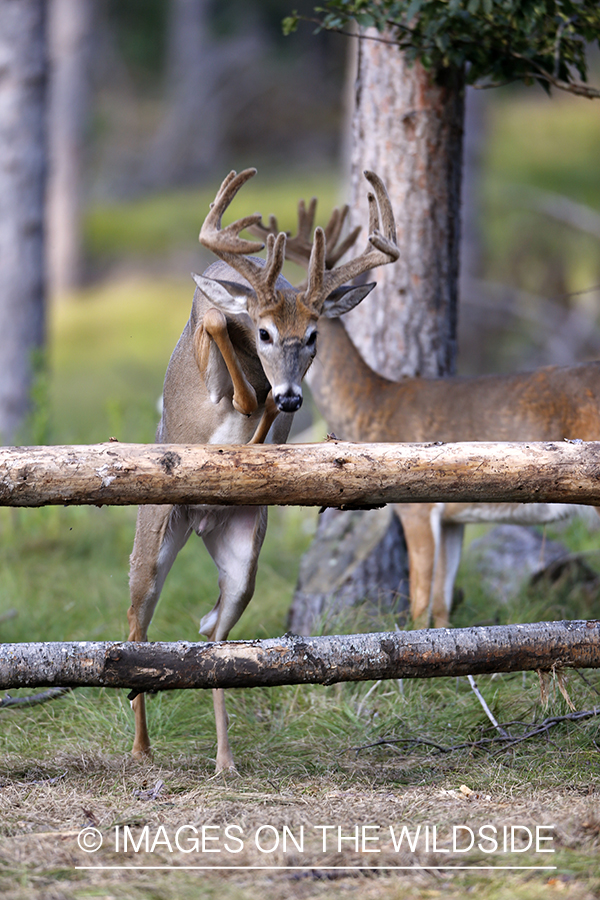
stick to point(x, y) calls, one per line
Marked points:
point(495, 41)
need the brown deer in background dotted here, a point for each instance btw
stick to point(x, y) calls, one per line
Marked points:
point(549, 404)
point(234, 378)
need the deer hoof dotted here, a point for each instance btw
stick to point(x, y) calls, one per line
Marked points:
point(228, 771)
point(142, 754)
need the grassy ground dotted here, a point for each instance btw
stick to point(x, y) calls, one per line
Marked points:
point(308, 757)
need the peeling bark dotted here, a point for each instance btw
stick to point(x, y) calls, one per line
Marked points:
point(297, 660)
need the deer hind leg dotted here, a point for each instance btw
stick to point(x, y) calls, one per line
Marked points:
point(213, 332)
point(420, 524)
point(160, 534)
point(448, 561)
point(234, 546)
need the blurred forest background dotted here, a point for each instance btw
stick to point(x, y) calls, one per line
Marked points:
point(153, 101)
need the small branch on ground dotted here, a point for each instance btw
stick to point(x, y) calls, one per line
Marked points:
point(587, 681)
point(9, 702)
point(506, 740)
point(486, 708)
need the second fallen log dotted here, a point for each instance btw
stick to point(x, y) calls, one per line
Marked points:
point(292, 659)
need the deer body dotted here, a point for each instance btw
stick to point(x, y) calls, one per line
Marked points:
point(551, 403)
point(235, 376)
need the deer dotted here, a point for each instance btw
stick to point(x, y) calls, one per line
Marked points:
point(548, 404)
point(235, 377)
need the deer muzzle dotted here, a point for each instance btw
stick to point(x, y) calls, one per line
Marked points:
point(288, 399)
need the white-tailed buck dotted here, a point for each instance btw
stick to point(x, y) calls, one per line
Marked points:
point(549, 404)
point(235, 378)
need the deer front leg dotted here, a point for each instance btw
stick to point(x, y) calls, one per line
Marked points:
point(213, 328)
point(268, 417)
point(161, 531)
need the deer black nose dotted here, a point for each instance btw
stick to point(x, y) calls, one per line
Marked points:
point(290, 401)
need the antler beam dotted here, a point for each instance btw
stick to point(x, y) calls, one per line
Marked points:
point(227, 244)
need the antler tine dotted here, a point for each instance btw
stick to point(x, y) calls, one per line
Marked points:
point(306, 218)
point(385, 207)
point(299, 247)
point(380, 249)
point(335, 253)
point(263, 231)
point(373, 214)
point(275, 258)
point(226, 240)
point(333, 229)
point(316, 265)
point(231, 248)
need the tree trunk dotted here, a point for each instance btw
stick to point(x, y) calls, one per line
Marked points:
point(190, 134)
point(354, 554)
point(23, 74)
point(408, 129)
point(70, 31)
point(438, 652)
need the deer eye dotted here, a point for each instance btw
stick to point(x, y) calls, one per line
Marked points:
point(264, 335)
point(311, 340)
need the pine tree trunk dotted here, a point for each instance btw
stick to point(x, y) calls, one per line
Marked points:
point(70, 30)
point(23, 75)
point(409, 129)
point(189, 136)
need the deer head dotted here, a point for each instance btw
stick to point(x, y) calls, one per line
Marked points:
point(284, 318)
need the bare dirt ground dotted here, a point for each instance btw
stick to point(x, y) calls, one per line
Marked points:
point(103, 826)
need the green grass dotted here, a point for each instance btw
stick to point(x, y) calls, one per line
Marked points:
point(108, 354)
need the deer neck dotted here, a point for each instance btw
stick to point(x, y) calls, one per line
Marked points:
point(343, 386)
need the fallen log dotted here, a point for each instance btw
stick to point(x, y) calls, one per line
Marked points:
point(292, 659)
point(333, 473)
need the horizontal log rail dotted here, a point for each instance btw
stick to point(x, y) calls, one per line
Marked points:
point(334, 473)
point(292, 659)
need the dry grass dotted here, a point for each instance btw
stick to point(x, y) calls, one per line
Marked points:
point(44, 806)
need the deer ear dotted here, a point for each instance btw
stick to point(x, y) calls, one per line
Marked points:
point(345, 298)
point(228, 296)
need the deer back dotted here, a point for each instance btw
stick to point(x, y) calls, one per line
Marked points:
point(550, 403)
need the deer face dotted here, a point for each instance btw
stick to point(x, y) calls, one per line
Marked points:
point(286, 344)
point(285, 331)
